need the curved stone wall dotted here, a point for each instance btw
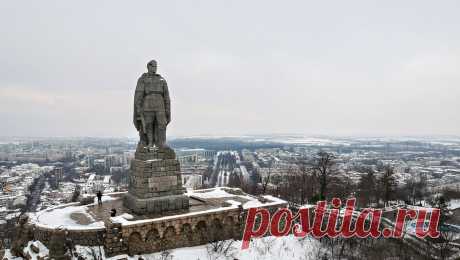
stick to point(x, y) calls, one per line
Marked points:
point(162, 234)
point(84, 237)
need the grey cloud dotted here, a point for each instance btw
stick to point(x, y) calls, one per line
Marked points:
point(234, 67)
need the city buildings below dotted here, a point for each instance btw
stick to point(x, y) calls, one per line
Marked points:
point(35, 176)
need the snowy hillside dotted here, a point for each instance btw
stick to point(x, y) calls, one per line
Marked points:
point(285, 248)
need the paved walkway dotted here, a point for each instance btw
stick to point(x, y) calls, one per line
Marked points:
point(102, 212)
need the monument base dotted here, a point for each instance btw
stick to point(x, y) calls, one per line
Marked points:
point(156, 205)
point(155, 182)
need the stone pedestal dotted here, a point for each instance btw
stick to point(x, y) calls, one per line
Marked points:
point(113, 242)
point(155, 182)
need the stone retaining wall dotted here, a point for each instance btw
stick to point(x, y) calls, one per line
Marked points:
point(162, 234)
point(87, 237)
point(154, 235)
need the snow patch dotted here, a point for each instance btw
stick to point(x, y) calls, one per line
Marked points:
point(454, 204)
point(42, 250)
point(122, 219)
point(62, 218)
point(286, 248)
point(209, 194)
point(233, 202)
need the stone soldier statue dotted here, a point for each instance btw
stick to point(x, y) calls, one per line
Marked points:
point(155, 182)
point(152, 107)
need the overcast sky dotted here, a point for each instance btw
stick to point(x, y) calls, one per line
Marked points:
point(69, 68)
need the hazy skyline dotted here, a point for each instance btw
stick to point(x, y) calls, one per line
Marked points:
point(233, 67)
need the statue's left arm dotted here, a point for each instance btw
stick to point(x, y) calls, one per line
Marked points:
point(138, 103)
point(167, 101)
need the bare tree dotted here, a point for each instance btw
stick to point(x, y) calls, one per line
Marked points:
point(165, 255)
point(387, 184)
point(265, 180)
point(444, 242)
point(340, 186)
point(415, 189)
point(304, 183)
point(220, 249)
point(297, 184)
point(94, 252)
point(421, 188)
point(367, 188)
point(324, 167)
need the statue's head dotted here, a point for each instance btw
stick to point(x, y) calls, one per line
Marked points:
point(152, 67)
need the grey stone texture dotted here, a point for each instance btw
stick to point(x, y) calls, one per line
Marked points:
point(155, 182)
point(22, 236)
point(185, 231)
point(57, 245)
point(114, 239)
point(149, 236)
point(152, 107)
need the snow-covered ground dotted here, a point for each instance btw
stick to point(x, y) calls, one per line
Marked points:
point(28, 251)
point(267, 248)
point(454, 204)
point(220, 192)
point(64, 216)
point(210, 193)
